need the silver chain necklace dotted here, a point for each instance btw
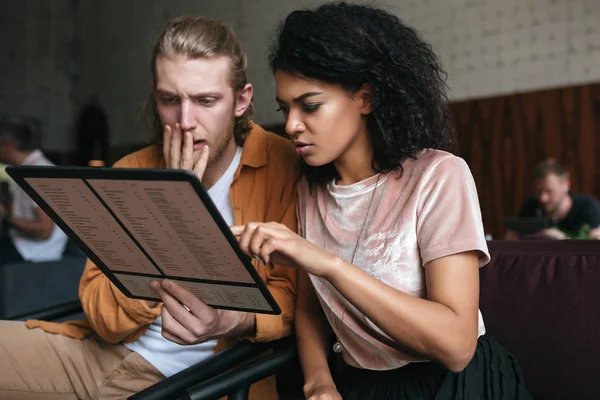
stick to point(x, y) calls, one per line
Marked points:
point(337, 345)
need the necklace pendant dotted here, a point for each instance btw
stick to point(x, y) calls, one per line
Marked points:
point(337, 346)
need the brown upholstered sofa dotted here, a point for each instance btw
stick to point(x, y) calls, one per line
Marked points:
point(540, 300)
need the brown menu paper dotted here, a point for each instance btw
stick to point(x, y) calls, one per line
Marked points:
point(144, 230)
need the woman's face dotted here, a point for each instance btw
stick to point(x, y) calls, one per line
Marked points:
point(326, 123)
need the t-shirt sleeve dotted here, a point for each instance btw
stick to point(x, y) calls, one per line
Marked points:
point(20, 196)
point(593, 213)
point(448, 215)
point(28, 201)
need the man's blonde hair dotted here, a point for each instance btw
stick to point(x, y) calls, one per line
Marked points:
point(550, 167)
point(199, 37)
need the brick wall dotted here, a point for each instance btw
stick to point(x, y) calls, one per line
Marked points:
point(60, 53)
point(488, 47)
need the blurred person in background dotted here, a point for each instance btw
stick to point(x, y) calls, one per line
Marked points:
point(572, 215)
point(28, 234)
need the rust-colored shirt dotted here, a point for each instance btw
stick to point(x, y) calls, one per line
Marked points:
point(263, 189)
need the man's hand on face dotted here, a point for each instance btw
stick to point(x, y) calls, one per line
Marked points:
point(178, 151)
point(197, 322)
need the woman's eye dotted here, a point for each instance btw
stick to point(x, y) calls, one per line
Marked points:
point(309, 108)
point(285, 110)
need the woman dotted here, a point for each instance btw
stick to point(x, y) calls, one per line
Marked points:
point(391, 232)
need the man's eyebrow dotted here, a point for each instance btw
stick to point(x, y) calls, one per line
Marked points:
point(300, 98)
point(163, 91)
point(202, 94)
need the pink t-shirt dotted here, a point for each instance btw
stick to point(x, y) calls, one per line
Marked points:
point(429, 211)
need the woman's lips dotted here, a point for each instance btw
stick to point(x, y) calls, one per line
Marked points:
point(304, 148)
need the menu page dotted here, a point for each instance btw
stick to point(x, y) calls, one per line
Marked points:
point(174, 227)
point(81, 210)
point(243, 297)
point(139, 285)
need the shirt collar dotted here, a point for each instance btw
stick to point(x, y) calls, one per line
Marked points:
point(254, 152)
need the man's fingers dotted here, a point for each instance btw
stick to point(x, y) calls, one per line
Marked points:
point(173, 338)
point(200, 166)
point(167, 136)
point(169, 301)
point(183, 324)
point(175, 148)
point(184, 296)
point(173, 330)
point(187, 160)
point(175, 306)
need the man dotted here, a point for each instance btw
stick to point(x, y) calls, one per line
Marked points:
point(31, 235)
point(571, 214)
point(200, 107)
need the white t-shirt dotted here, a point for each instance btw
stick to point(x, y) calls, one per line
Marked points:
point(24, 207)
point(168, 357)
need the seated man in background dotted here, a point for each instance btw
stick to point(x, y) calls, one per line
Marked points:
point(572, 215)
point(200, 109)
point(28, 233)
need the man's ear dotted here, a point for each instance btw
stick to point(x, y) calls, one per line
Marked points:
point(366, 96)
point(243, 100)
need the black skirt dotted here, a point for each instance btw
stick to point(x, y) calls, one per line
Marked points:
point(492, 374)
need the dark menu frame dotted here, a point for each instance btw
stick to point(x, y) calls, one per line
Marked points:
point(154, 189)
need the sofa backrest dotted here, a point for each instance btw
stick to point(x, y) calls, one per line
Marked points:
point(538, 298)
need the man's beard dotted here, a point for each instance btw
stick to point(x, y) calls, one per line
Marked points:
point(556, 208)
point(219, 146)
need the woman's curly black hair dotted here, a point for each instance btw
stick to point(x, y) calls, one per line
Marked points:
point(352, 45)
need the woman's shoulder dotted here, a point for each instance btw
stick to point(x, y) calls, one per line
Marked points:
point(430, 162)
point(431, 158)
